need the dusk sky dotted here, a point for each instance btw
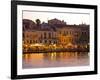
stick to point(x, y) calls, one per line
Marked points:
point(69, 18)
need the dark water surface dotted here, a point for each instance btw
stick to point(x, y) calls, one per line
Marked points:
point(55, 59)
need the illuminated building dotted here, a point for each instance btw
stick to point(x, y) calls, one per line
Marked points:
point(54, 32)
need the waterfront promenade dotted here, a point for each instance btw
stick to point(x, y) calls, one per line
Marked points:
point(57, 50)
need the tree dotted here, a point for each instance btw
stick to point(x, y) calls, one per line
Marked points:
point(38, 22)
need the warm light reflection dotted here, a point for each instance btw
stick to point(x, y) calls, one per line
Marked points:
point(56, 59)
point(33, 56)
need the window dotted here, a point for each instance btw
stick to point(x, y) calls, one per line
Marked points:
point(50, 41)
point(49, 35)
point(27, 41)
point(45, 41)
point(30, 41)
point(36, 41)
point(44, 34)
point(40, 41)
point(41, 36)
point(66, 32)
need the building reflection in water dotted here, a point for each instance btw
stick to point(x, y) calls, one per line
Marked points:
point(61, 59)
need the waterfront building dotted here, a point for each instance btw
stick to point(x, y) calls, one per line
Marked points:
point(54, 32)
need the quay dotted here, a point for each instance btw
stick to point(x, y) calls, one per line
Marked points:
point(56, 50)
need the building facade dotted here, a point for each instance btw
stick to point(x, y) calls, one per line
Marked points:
point(52, 33)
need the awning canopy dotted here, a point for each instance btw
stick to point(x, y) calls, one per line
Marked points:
point(37, 44)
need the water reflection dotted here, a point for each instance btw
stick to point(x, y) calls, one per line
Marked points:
point(62, 59)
